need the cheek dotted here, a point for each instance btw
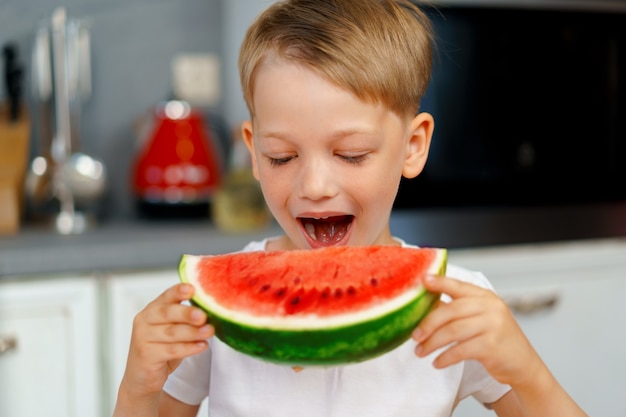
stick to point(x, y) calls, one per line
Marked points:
point(378, 187)
point(387, 184)
point(386, 193)
point(274, 186)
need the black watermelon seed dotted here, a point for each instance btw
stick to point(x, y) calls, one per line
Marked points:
point(265, 288)
point(280, 292)
point(373, 282)
point(338, 293)
point(351, 290)
point(295, 300)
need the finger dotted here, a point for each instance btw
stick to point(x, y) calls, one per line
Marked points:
point(177, 293)
point(159, 313)
point(194, 315)
point(179, 313)
point(457, 353)
point(168, 342)
point(443, 314)
point(457, 331)
point(167, 308)
point(159, 352)
point(183, 350)
point(451, 286)
point(174, 333)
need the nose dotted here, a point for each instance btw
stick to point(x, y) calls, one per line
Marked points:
point(317, 180)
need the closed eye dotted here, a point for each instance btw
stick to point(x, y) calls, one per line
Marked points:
point(275, 162)
point(354, 159)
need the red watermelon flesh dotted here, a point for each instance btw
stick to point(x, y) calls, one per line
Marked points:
point(303, 282)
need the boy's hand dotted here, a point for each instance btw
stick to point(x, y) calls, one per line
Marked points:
point(164, 332)
point(476, 324)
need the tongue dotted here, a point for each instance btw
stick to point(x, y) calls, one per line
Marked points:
point(328, 231)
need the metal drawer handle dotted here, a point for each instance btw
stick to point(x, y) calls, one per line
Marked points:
point(7, 343)
point(532, 304)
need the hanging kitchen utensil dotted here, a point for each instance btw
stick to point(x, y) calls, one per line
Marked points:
point(83, 174)
point(62, 80)
point(62, 141)
point(78, 75)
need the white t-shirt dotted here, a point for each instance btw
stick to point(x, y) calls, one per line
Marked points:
point(397, 383)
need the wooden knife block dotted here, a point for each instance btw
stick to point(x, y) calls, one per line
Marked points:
point(14, 155)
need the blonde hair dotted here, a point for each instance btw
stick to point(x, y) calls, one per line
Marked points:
point(380, 50)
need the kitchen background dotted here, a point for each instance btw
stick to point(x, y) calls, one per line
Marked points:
point(133, 45)
point(67, 302)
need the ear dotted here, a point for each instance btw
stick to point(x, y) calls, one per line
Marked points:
point(247, 135)
point(421, 131)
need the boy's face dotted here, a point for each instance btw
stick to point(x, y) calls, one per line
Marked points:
point(328, 163)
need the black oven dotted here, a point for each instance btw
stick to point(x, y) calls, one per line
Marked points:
point(529, 106)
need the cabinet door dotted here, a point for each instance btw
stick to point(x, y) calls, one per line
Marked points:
point(581, 337)
point(577, 330)
point(128, 294)
point(49, 366)
point(569, 300)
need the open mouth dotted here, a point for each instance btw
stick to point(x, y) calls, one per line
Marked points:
point(327, 230)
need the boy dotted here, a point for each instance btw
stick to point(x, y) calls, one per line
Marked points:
point(333, 89)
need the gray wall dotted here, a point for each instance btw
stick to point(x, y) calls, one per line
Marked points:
point(237, 16)
point(133, 43)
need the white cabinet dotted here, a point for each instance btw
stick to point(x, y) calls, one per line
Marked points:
point(127, 294)
point(50, 361)
point(570, 300)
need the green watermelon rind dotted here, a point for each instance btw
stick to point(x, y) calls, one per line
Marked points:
point(350, 343)
point(347, 344)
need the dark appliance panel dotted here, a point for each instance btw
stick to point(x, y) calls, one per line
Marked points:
point(529, 107)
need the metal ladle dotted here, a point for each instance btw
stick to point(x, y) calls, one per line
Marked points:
point(77, 176)
point(84, 176)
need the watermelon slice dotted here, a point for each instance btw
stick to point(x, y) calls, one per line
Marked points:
point(315, 307)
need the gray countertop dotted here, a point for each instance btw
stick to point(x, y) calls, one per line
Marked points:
point(116, 245)
point(143, 244)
